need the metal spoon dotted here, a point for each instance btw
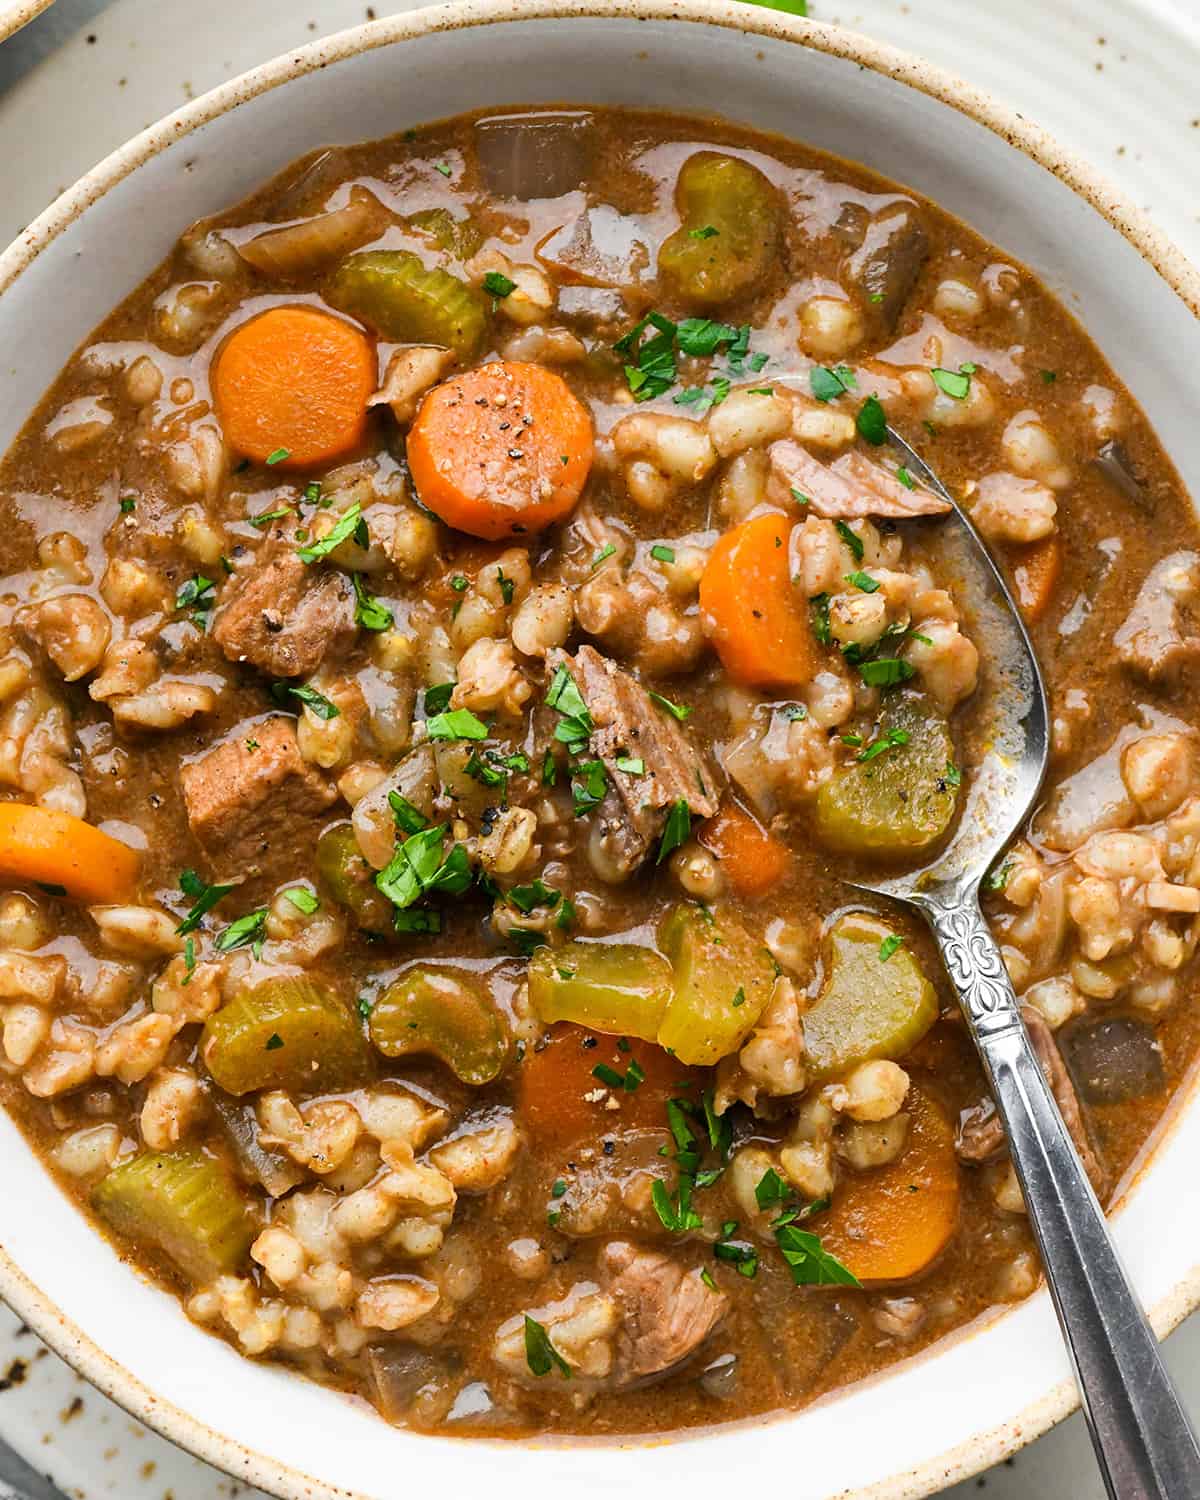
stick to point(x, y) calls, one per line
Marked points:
point(1144, 1442)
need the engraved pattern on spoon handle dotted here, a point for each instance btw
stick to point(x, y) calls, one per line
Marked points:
point(976, 967)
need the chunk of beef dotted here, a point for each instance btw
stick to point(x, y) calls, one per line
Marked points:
point(630, 819)
point(980, 1136)
point(884, 267)
point(1162, 630)
point(249, 793)
point(284, 617)
point(668, 1312)
point(849, 489)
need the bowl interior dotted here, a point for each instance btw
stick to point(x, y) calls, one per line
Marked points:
point(941, 1415)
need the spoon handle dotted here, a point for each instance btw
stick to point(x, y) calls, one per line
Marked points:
point(1144, 1442)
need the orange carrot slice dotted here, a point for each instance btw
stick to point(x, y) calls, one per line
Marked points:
point(751, 611)
point(57, 850)
point(294, 382)
point(892, 1223)
point(501, 450)
point(1035, 572)
point(752, 861)
point(555, 1084)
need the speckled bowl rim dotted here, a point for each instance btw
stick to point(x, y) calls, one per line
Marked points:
point(13, 17)
point(16, 1288)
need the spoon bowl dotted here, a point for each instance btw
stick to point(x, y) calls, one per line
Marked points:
point(1014, 739)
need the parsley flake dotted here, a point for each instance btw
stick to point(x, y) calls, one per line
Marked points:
point(871, 421)
point(891, 944)
point(677, 829)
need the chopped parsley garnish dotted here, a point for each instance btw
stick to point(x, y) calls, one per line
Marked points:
point(507, 586)
point(202, 896)
point(603, 555)
point(317, 702)
point(302, 899)
point(851, 539)
point(906, 478)
point(889, 741)
point(559, 1188)
point(589, 785)
point(346, 526)
point(818, 618)
point(575, 722)
point(702, 337)
point(851, 739)
point(864, 582)
point(197, 594)
point(368, 611)
point(278, 457)
point(128, 504)
point(418, 868)
point(540, 1354)
point(798, 497)
point(828, 385)
point(459, 584)
point(273, 1042)
point(998, 879)
point(794, 711)
point(885, 671)
point(442, 167)
point(700, 399)
point(409, 819)
point(676, 1214)
point(457, 724)
point(627, 1082)
point(677, 829)
point(706, 233)
point(437, 698)
point(890, 945)
point(189, 959)
point(952, 775)
point(809, 1263)
point(246, 931)
point(955, 383)
point(871, 421)
point(566, 916)
point(632, 765)
point(662, 554)
point(740, 1254)
point(312, 493)
point(498, 284)
point(771, 1189)
point(652, 371)
point(1048, 378)
point(678, 711)
point(479, 770)
point(526, 897)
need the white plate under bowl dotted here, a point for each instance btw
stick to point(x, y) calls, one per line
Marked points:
point(975, 1399)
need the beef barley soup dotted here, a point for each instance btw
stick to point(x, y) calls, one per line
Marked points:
point(462, 626)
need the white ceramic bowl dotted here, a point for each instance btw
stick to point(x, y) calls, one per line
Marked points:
point(17, 13)
point(978, 1397)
